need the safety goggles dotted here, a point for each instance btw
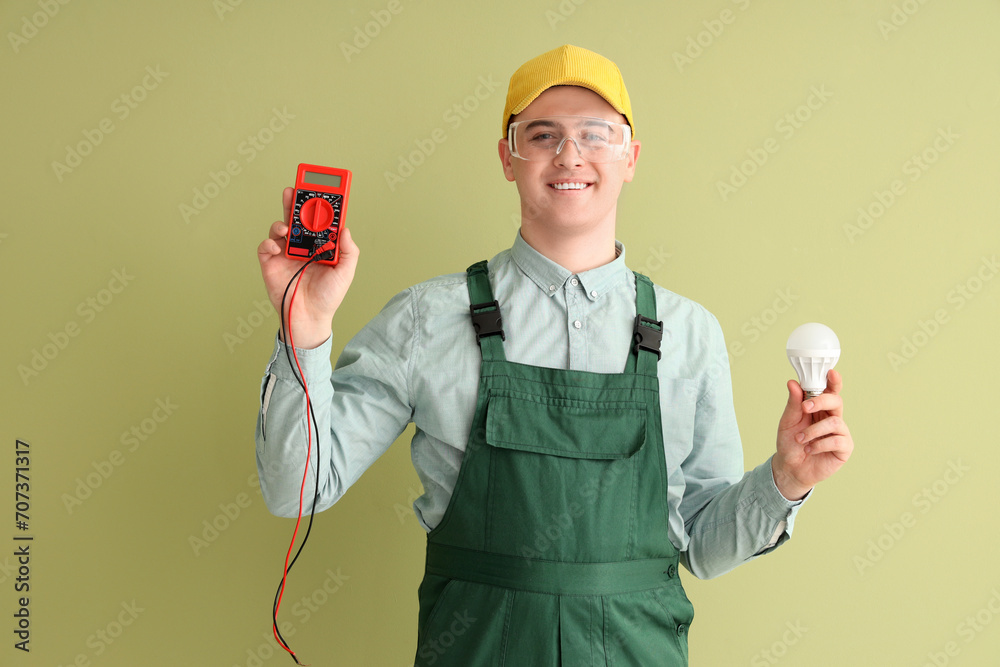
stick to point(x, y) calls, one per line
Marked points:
point(596, 139)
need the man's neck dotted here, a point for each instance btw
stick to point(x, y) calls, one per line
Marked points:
point(576, 251)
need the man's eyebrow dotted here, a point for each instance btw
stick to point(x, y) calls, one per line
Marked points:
point(541, 122)
point(546, 122)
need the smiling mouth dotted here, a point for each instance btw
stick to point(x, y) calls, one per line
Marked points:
point(569, 186)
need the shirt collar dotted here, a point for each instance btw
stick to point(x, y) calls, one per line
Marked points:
point(550, 277)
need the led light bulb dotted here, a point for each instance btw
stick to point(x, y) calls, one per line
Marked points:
point(813, 349)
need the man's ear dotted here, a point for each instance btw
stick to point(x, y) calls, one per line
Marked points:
point(505, 159)
point(631, 158)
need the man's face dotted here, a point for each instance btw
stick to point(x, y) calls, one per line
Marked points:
point(543, 204)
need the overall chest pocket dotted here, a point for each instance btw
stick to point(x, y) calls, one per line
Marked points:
point(563, 476)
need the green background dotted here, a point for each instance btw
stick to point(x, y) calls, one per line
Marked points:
point(892, 560)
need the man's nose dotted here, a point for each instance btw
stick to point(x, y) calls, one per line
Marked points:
point(564, 156)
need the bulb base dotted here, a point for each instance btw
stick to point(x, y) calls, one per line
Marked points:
point(813, 394)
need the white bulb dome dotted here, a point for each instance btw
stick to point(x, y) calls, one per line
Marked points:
point(813, 349)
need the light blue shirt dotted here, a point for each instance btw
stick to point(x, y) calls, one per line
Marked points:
point(418, 361)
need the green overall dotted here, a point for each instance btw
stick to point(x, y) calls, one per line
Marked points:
point(554, 548)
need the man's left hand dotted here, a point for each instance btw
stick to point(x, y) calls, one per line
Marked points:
point(813, 439)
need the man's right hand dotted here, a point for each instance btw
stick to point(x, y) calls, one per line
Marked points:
point(322, 289)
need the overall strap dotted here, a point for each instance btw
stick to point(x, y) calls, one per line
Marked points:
point(486, 319)
point(647, 331)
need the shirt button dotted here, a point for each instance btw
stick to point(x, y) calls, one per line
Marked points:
point(681, 629)
point(578, 324)
point(671, 571)
point(552, 288)
point(593, 293)
point(574, 282)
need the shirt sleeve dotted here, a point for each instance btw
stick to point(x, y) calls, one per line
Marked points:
point(730, 516)
point(360, 409)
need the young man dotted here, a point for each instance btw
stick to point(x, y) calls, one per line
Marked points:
point(576, 436)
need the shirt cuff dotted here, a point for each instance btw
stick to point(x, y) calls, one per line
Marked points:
point(776, 505)
point(315, 362)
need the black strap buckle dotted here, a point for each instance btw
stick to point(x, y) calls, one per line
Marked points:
point(647, 337)
point(488, 322)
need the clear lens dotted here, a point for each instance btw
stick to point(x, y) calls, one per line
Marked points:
point(596, 140)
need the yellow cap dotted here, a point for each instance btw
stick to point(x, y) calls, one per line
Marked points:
point(567, 66)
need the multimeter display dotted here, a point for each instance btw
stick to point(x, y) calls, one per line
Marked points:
point(318, 211)
point(329, 180)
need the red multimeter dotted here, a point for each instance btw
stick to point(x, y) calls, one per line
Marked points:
point(318, 211)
